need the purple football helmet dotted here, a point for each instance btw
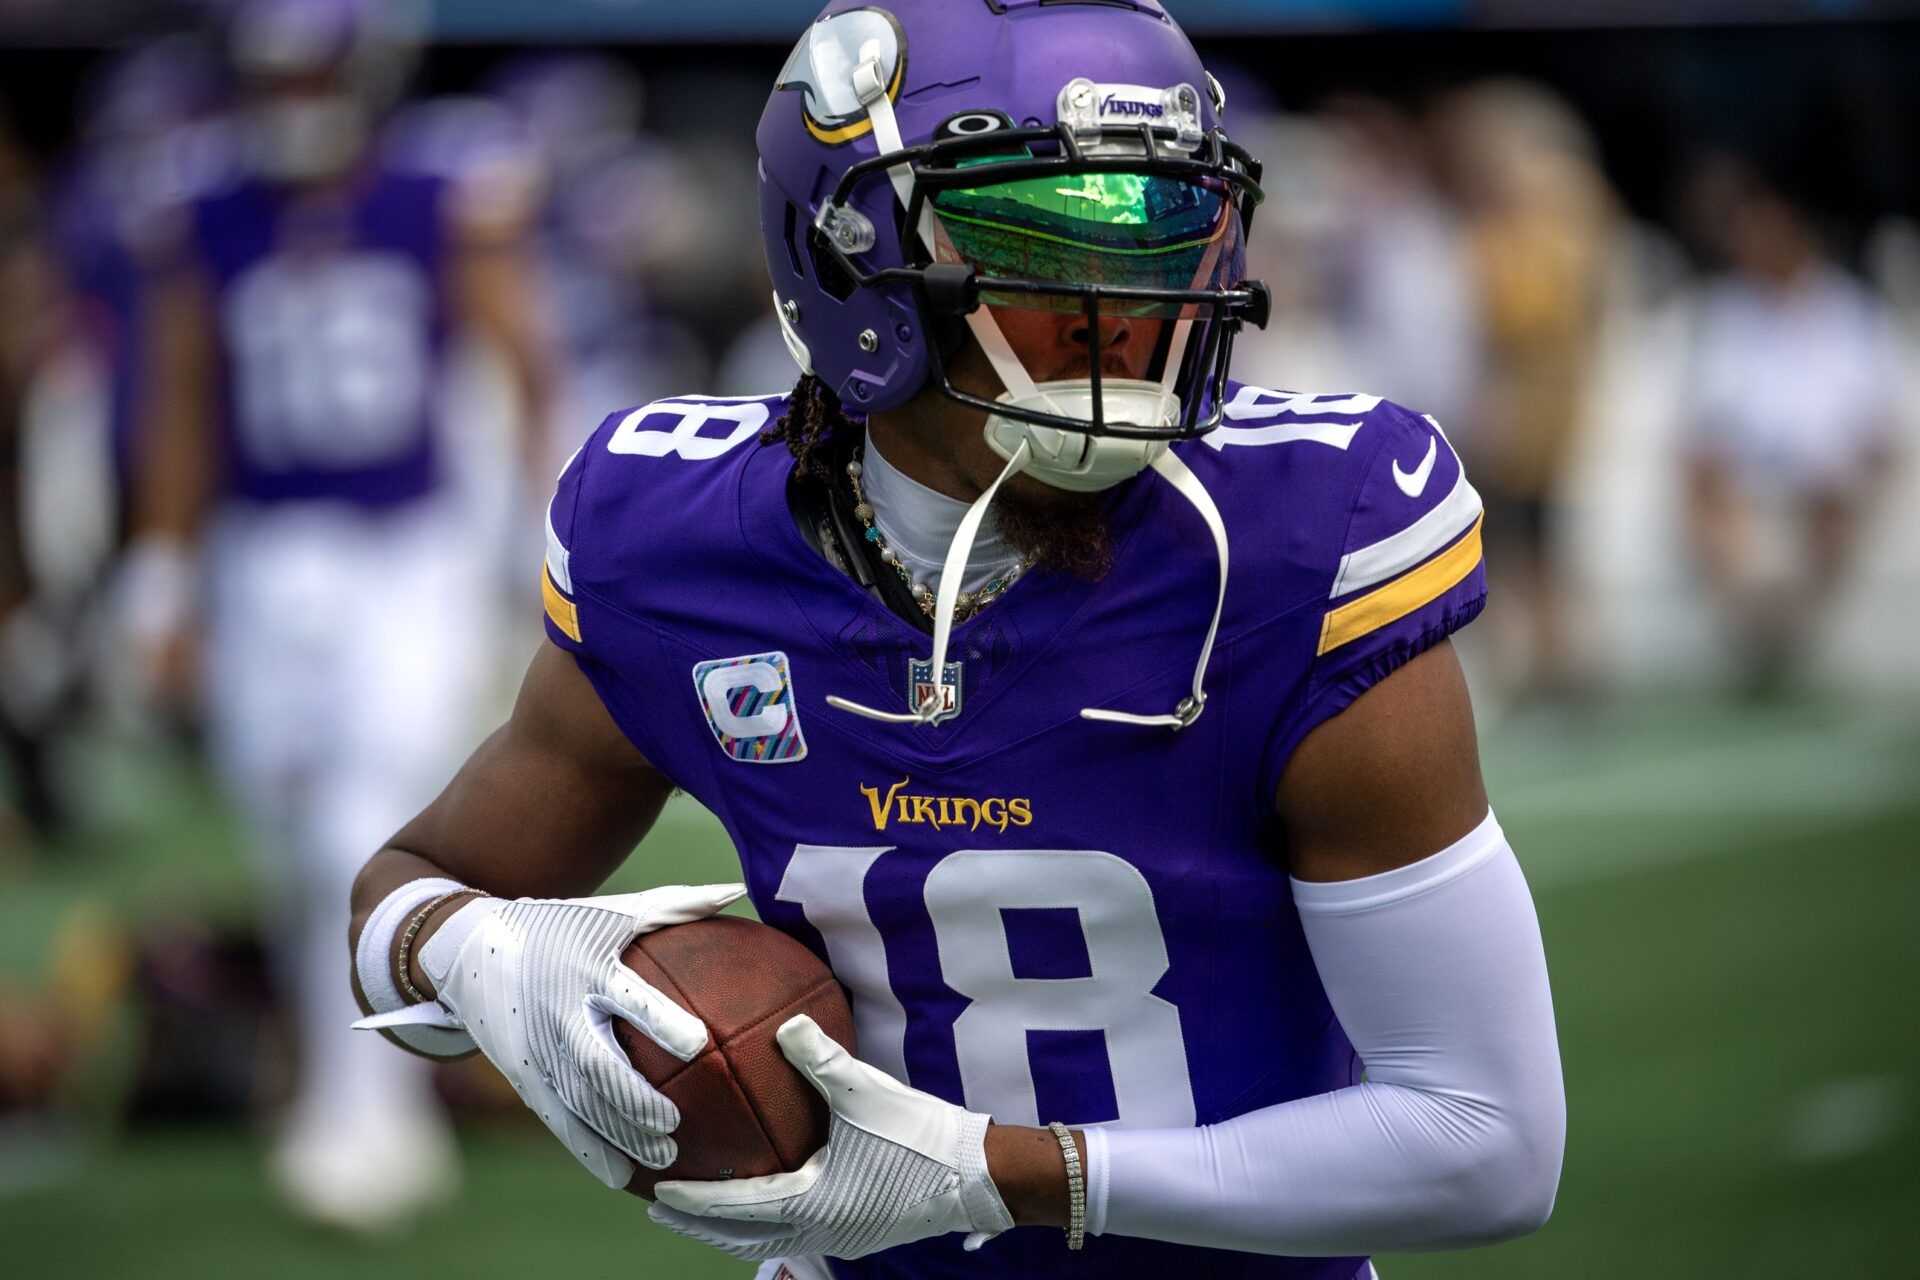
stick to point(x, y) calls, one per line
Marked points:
point(315, 76)
point(920, 157)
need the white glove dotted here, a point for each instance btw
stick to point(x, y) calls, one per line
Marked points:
point(537, 982)
point(899, 1165)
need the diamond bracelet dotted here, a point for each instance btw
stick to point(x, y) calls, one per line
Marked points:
point(1076, 1188)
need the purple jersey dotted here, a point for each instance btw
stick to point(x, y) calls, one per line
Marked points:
point(332, 326)
point(1037, 915)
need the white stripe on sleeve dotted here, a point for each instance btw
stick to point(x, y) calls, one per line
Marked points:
point(559, 559)
point(1392, 556)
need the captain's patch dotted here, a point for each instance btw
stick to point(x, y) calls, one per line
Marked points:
point(750, 708)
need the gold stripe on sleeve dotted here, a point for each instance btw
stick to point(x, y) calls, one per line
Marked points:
point(562, 610)
point(1403, 595)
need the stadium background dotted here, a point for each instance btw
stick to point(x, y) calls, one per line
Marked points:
point(1725, 867)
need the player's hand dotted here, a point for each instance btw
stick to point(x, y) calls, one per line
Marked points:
point(155, 624)
point(168, 668)
point(899, 1165)
point(537, 983)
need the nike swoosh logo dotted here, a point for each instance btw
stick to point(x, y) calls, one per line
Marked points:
point(1416, 484)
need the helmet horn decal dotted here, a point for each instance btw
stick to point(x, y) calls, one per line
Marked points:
point(821, 69)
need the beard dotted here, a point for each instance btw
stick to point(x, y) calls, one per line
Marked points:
point(1054, 529)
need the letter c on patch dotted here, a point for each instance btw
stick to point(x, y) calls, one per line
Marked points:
point(718, 687)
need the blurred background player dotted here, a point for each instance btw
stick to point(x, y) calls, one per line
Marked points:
point(151, 133)
point(303, 567)
point(1792, 398)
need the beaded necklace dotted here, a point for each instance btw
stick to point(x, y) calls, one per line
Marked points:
point(968, 603)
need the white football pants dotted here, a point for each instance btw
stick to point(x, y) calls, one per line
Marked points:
point(345, 667)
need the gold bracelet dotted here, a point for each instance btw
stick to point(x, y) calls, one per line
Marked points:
point(1076, 1188)
point(414, 925)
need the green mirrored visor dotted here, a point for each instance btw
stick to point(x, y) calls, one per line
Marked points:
point(1127, 230)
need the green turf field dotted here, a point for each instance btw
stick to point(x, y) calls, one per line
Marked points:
point(1728, 900)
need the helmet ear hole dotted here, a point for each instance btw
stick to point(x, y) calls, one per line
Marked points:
point(833, 278)
point(792, 241)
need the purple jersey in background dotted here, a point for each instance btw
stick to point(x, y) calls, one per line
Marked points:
point(1038, 916)
point(332, 327)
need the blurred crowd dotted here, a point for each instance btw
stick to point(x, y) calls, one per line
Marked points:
point(1722, 384)
point(289, 355)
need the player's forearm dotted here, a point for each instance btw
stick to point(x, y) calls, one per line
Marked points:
point(1437, 973)
point(1030, 1172)
point(394, 887)
point(546, 807)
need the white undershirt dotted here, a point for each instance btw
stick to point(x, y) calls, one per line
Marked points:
point(919, 524)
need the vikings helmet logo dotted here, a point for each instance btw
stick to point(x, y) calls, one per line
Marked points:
point(821, 68)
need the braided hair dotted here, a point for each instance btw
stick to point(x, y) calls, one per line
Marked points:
point(807, 428)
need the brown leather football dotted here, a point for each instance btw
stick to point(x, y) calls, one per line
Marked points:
point(744, 1110)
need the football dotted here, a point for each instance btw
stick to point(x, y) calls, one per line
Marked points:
point(744, 1111)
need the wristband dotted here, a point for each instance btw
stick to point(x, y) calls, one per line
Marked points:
point(373, 956)
point(1076, 1188)
point(373, 962)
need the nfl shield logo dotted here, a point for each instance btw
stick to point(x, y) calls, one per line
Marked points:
point(920, 687)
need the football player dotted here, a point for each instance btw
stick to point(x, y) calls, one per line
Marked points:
point(295, 463)
point(1092, 714)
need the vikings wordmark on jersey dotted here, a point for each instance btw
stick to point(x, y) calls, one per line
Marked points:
point(1038, 915)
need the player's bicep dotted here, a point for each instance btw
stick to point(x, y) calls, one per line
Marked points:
point(1377, 766)
point(551, 803)
point(1391, 779)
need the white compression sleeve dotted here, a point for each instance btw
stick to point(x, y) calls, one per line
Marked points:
point(1455, 1137)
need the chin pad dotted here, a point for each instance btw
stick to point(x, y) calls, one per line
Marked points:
point(1075, 460)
